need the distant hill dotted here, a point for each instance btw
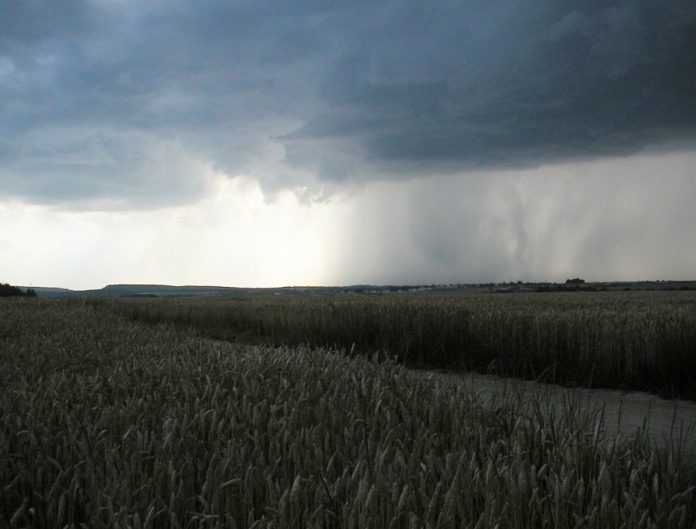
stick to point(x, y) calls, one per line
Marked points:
point(53, 292)
point(576, 285)
point(141, 290)
point(127, 290)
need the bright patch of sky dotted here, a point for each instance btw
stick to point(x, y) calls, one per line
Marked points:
point(233, 236)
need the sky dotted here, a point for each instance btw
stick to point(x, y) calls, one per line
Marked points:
point(270, 143)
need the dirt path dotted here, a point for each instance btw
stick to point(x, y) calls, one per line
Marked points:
point(666, 421)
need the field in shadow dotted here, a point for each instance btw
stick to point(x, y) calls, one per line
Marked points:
point(108, 422)
point(626, 340)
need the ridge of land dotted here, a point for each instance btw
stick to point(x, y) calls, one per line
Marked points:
point(153, 290)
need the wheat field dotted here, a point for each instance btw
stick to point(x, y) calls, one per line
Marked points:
point(626, 340)
point(107, 422)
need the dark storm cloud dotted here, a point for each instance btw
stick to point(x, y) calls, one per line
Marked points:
point(23, 22)
point(121, 99)
point(513, 83)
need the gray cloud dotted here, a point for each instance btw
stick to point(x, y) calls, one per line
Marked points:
point(95, 94)
point(102, 170)
point(27, 23)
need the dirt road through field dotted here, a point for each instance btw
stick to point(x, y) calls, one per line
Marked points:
point(666, 421)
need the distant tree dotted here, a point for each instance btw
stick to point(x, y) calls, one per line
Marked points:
point(7, 290)
point(575, 281)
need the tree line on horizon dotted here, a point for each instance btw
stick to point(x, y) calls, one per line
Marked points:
point(7, 290)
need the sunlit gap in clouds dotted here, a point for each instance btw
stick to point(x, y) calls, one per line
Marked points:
point(233, 236)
